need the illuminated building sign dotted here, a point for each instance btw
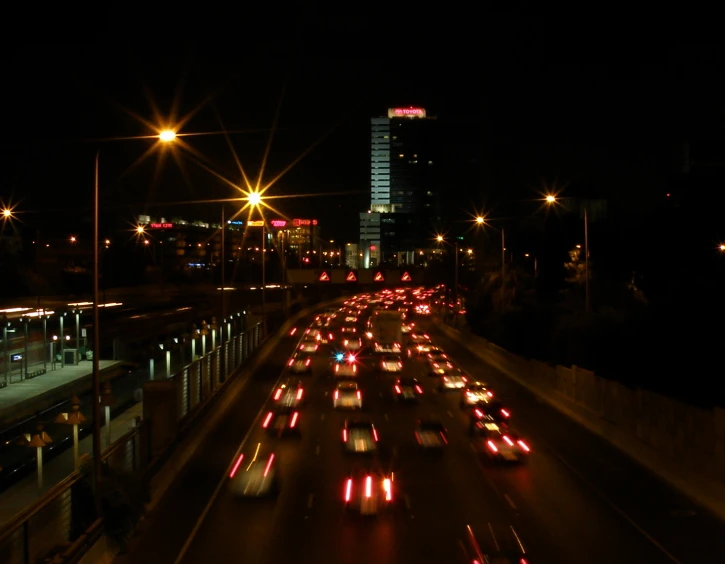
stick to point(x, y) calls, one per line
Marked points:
point(406, 112)
point(259, 223)
point(235, 222)
point(295, 222)
point(161, 225)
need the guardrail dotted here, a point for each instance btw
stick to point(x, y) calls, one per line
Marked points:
point(64, 517)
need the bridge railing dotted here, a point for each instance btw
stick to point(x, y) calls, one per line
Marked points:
point(60, 521)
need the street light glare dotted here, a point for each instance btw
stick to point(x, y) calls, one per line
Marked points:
point(167, 135)
point(722, 247)
point(480, 219)
point(550, 199)
point(140, 229)
point(254, 198)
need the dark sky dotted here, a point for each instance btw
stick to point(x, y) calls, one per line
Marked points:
point(572, 94)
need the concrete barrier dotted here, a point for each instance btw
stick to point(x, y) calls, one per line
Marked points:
point(682, 444)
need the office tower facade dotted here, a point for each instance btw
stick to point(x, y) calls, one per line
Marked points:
point(404, 162)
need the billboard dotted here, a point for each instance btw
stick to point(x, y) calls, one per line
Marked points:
point(280, 223)
point(406, 112)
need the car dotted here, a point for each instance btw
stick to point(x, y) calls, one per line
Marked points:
point(431, 434)
point(368, 492)
point(281, 421)
point(349, 330)
point(300, 364)
point(439, 368)
point(390, 348)
point(351, 318)
point(309, 346)
point(322, 321)
point(496, 544)
point(436, 354)
point(347, 395)
point(359, 437)
point(312, 334)
point(494, 410)
point(407, 389)
point(453, 379)
point(344, 365)
point(499, 443)
point(391, 363)
point(289, 394)
point(419, 349)
point(258, 478)
point(407, 328)
point(475, 393)
point(352, 344)
point(416, 338)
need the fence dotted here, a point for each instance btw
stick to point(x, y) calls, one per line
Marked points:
point(59, 520)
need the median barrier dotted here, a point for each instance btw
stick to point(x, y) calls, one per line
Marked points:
point(683, 445)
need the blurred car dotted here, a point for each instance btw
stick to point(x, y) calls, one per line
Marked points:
point(300, 364)
point(344, 365)
point(475, 393)
point(281, 421)
point(419, 349)
point(439, 368)
point(391, 363)
point(350, 318)
point(309, 346)
point(289, 394)
point(368, 493)
point(407, 389)
point(494, 411)
point(436, 354)
point(494, 545)
point(350, 344)
point(499, 443)
point(258, 478)
point(312, 333)
point(431, 434)
point(349, 330)
point(390, 348)
point(452, 379)
point(407, 328)
point(347, 395)
point(359, 437)
point(417, 338)
point(322, 321)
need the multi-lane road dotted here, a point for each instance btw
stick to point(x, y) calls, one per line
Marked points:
point(576, 500)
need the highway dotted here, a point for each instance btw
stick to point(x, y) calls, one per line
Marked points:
point(576, 500)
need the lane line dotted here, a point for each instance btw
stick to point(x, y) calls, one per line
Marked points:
point(224, 478)
point(615, 507)
point(310, 500)
point(510, 502)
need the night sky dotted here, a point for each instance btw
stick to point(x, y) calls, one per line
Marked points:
point(535, 95)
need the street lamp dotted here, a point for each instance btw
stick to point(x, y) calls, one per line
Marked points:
point(165, 136)
point(7, 213)
point(551, 199)
point(74, 418)
point(255, 201)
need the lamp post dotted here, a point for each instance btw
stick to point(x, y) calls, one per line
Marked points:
point(38, 441)
point(74, 418)
point(551, 199)
point(503, 269)
point(107, 400)
point(255, 200)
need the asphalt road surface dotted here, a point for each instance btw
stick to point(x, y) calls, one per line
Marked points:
point(576, 500)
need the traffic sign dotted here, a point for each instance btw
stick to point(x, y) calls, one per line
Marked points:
point(324, 277)
point(379, 277)
point(351, 277)
point(406, 277)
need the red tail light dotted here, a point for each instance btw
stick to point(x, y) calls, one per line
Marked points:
point(348, 490)
point(509, 442)
point(354, 368)
point(337, 394)
point(375, 434)
point(419, 389)
point(388, 488)
point(369, 486)
point(307, 362)
point(505, 413)
point(269, 464)
point(337, 367)
point(492, 446)
point(524, 446)
point(293, 422)
point(278, 394)
point(267, 419)
point(344, 435)
point(489, 394)
point(236, 466)
point(294, 330)
point(397, 389)
point(400, 365)
point(329, 336)
point(299, 394)
point(291, 362)
point(443, 438)
point(302, 347)
point(359, 395)
point(478, 412)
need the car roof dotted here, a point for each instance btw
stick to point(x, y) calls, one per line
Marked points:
point(408, 380)
point(347, 386)
point(359, 424)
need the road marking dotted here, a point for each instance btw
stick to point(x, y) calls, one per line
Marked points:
point(407, 501)
point(386, 417)
point(317, 449)
point(510, 502)
point(615, 507)
point(310, 500)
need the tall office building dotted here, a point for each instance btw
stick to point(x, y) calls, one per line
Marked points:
point(404, 163)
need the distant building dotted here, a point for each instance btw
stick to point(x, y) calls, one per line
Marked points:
point(404, 153)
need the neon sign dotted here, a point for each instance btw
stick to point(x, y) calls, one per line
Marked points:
point(303, 222)
point(406, 112)
point(294, 222)
point(278, 223)
point(258, 223)
point(161, 225)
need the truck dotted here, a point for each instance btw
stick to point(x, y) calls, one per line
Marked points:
point(387, 329)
